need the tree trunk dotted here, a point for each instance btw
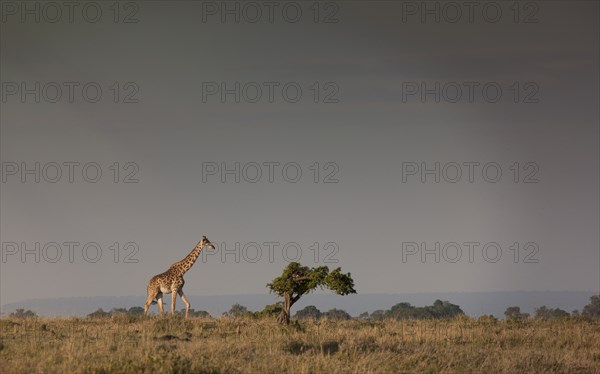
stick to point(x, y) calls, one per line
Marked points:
point(284, 316)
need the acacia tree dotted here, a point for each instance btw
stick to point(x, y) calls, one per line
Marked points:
point(297, 280)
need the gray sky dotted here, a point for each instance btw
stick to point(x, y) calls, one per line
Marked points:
point(363, 141)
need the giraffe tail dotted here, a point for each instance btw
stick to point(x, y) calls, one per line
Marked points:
point(153, 302)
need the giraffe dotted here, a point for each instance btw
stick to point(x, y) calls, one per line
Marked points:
point(171, 281)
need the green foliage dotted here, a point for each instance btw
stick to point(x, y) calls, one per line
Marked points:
point(592, 310)
point(312, 312)
point(133, 311)
point(337, 314)
point(22, 313)
point(300, 280)
point(341, 284)
point(545, 312)
point(514, 312)
point(237, 310)
point(444, 309)
point(309, 312)
point(270, 310)
point(198, 313)
point(192, 313)
point(378, 315)
point(297, 279)
point(439, 309)
point(100, 313)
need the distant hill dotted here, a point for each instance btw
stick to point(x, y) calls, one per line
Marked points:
point(472, 303)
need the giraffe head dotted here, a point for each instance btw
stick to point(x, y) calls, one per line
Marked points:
point(206, 243)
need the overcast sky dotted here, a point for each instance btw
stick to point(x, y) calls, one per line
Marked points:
point(361, 148)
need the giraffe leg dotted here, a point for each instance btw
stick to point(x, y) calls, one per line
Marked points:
point(186, 301)
point(173, 301)
point(149, 300)
point(147, 305)
point(160, 305)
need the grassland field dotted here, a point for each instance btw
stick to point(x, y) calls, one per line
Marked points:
point(129, 344)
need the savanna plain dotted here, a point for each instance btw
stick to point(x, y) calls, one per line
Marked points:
point(173, 344)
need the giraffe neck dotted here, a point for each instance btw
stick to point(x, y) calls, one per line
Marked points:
point(184, 265)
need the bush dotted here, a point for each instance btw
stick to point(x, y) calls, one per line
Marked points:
point(547, 313)
point(514, 312)
point(100, 313)
point(271, 310)
point(21, 313)
point(237, 310)
point(592, 310)
point(337, 314)
point(309, 312)
point(439, 309)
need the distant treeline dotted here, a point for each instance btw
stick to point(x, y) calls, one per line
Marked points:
point(139, 311)
point(439, 309)
point(591, 310)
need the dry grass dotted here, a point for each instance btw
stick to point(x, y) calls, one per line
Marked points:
point(123, 344)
